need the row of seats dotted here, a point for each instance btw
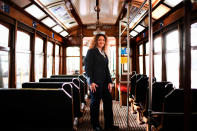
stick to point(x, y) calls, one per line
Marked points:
point(164, 99)
point(52, 103)
point(35, 109)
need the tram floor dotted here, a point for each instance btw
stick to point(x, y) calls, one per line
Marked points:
point(120, 119)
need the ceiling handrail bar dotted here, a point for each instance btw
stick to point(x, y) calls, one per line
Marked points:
point(135, 13)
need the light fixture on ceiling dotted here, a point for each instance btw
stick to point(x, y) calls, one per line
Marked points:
point(172, 3)
point(48, 22)
point(57, 28)
point(35, 11)
point(47, 2)
point(64, 33)
point(160, 11)
point(139, 28)
point(133, 33)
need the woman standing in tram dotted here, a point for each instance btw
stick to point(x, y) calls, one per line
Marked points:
point(99, 79)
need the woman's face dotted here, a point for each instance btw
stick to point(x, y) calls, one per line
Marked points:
point(101, 42)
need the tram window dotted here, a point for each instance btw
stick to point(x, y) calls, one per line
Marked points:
point(172, 57)
point(39, 58)
point(23, 41)
point(193, 55)
point(141, 59)
point(72, 60)
point(141, 64)
point(194, 69)
point(157, 44)
point(72, 51)
point(193, 34)
point(112, 60)
point(4, 63)
point(147, 48)
point(157, 67)
point(141, 49)
point(147, 58)
point(4, 33)
point(72, 64)
point(172, 43)
point(4, 72)
point(147, 65)
point(85, 50)
point(49, 58)
point(57, 48)
point(22, 58)
point(157, 58)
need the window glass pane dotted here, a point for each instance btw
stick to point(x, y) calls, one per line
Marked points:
point(49, 65)
point(23, 41)
point(85, 50)
point(72, 51)
point(112, 60)
point(193, 69)
point(49, 48)
point(193, 34)
point(49, 58)
point(57, 47)
point(4, 69)
point(57, 65)
point(141, 64)
point(147, 65)
point(141, 49)
point(22, 66)
point(172, 60)
point(157, 67)
point(124, 67)
point(147, 48)
point(172, 41)
point(72, 64)
point(4, 33)
point(157, 44)
point(39, 45)
point(38, 67)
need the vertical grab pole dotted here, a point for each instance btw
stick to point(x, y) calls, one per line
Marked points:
point(128, 56)
point(119, 57)
point(150, 29)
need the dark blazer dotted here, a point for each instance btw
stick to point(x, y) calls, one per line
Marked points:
point(96, 67)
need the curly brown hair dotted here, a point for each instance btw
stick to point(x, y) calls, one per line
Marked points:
point(94, 43)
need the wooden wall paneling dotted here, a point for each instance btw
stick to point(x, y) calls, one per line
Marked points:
point(18, 14)
point(137, 59)
point(32, 57)
point(12, 60)
point(53, 60)
point(45, 58)
point(60, 62)
point(144, 62)
point(187, 65)
point(163, 54)
point(64, 61)
point(81, 56)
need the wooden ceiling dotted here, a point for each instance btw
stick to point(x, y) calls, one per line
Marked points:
point(83, 17)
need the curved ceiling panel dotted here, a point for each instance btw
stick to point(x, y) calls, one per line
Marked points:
point(109, 10)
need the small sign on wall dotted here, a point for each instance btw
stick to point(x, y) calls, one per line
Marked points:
point(4, 7)
point(34, 24)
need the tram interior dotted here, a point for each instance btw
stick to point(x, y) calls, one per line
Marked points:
point(43, 44)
